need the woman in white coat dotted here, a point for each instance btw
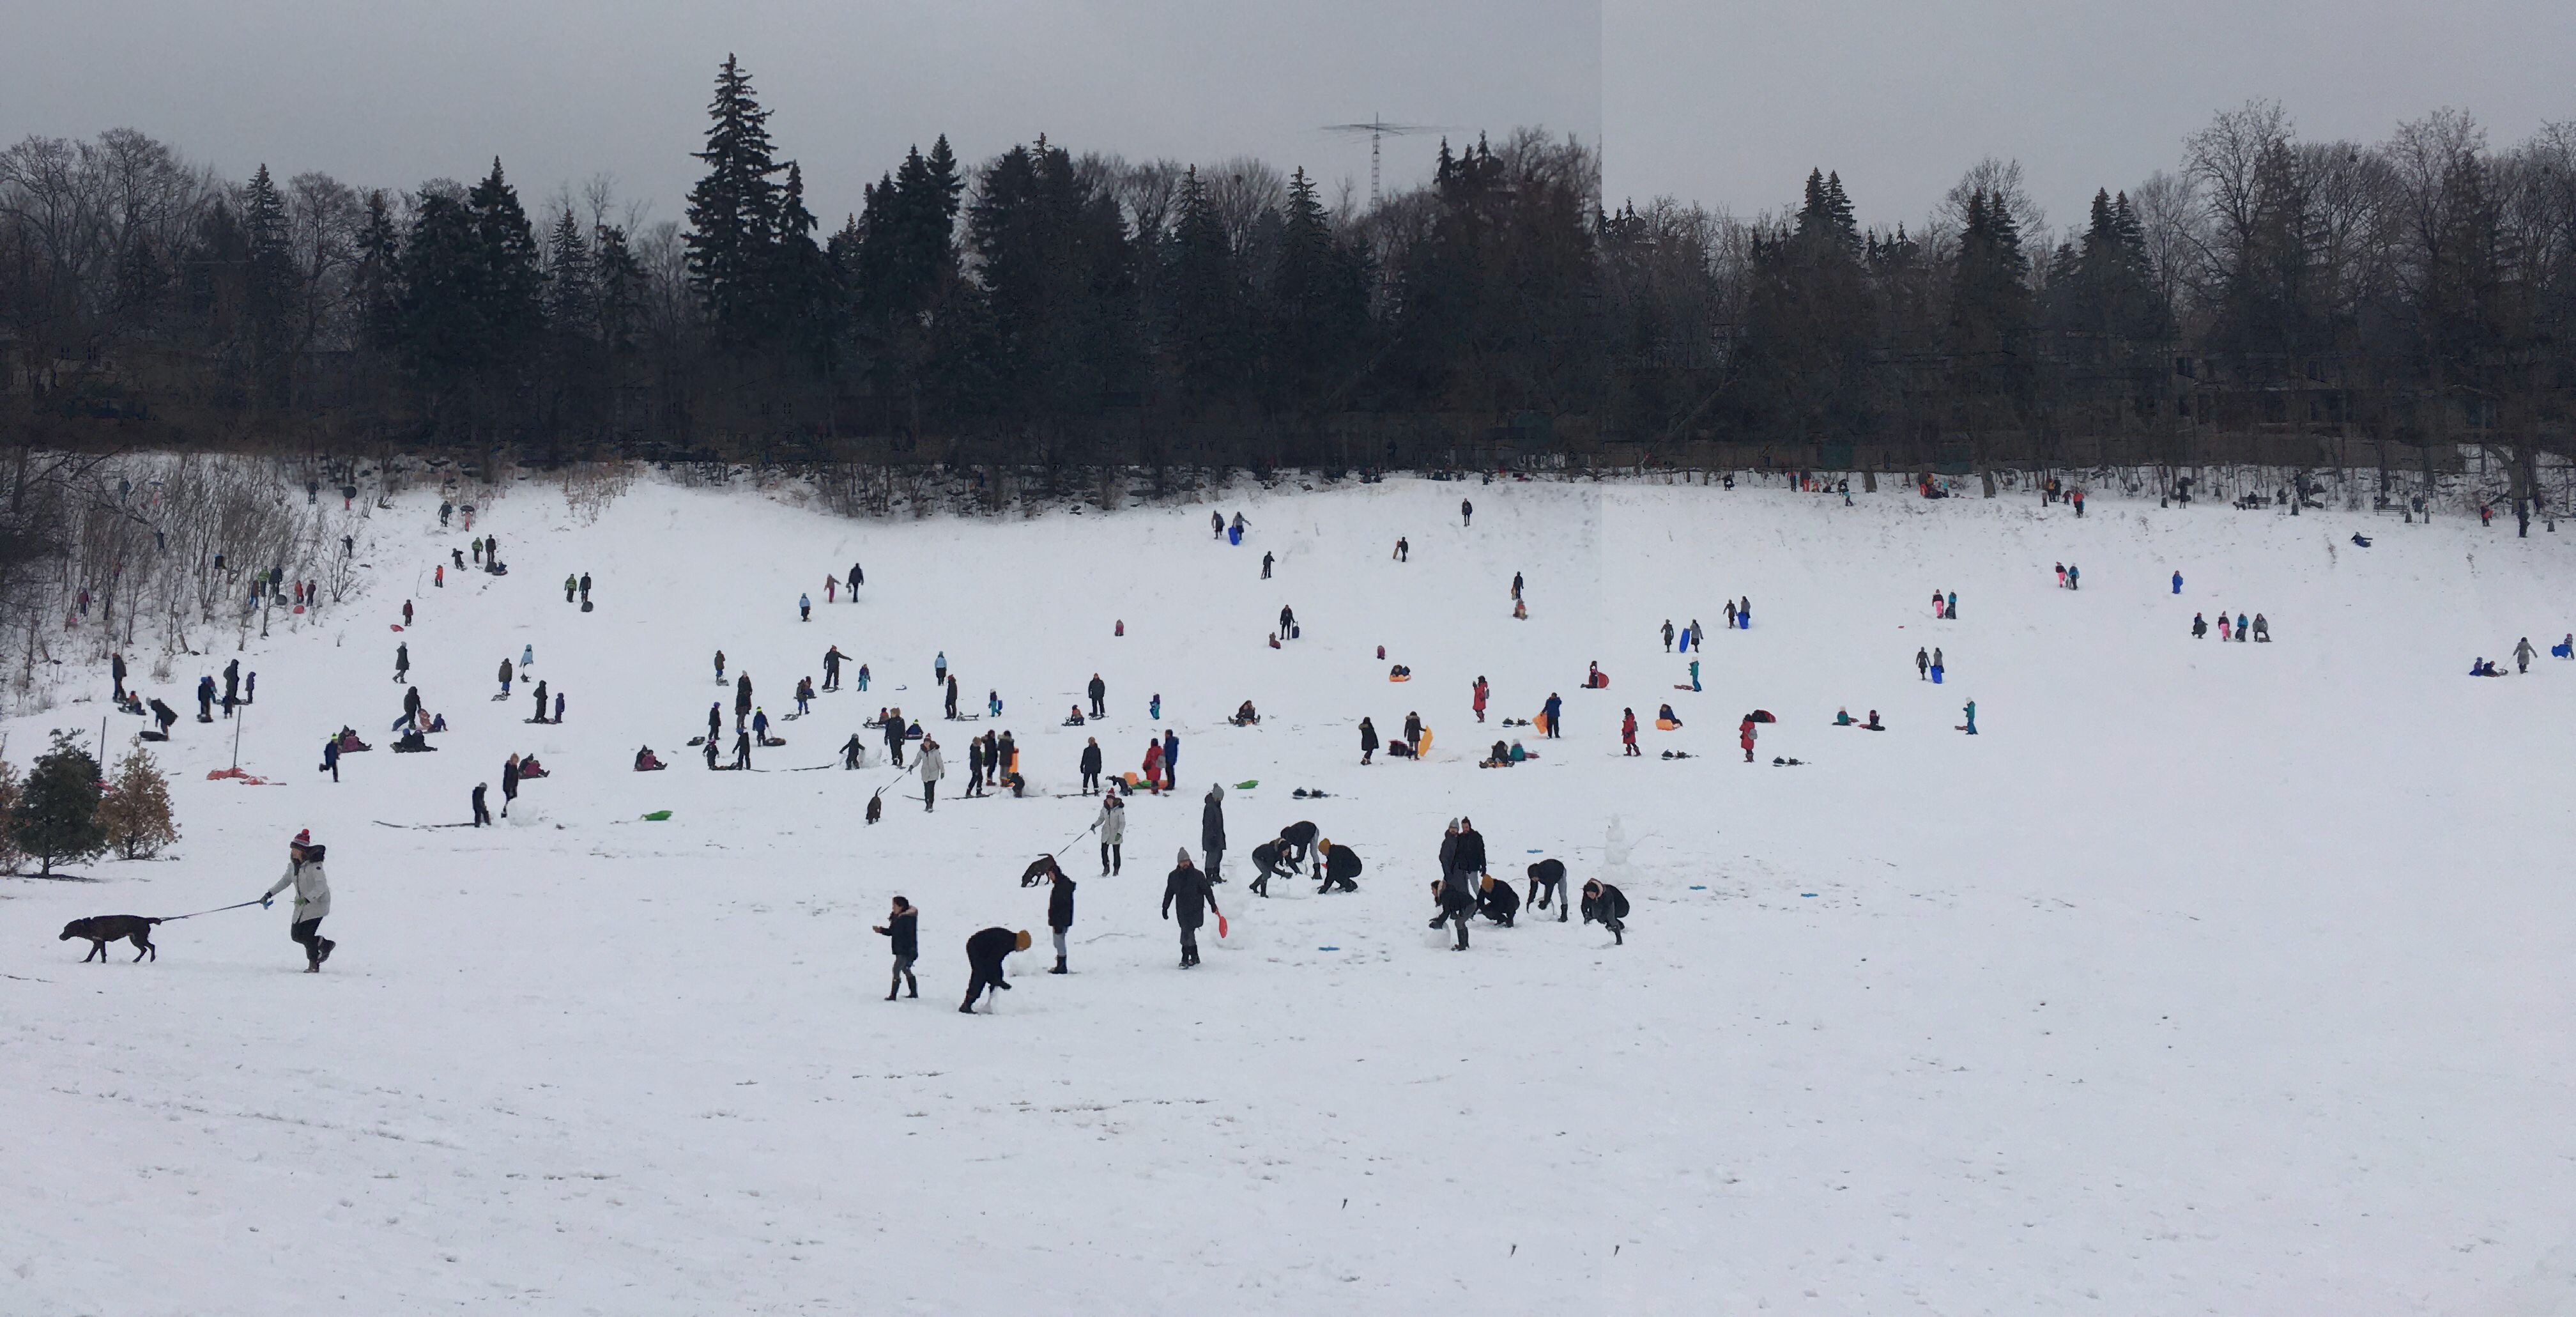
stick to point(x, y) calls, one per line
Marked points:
point(312, 899)
point(1113, 832)
point(933, 768)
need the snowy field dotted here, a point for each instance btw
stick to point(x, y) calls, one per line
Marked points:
point(2206, 979)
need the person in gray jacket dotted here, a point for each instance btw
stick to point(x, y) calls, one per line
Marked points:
point(1187, 891)
point(932, 769)
point(1113, 833)
point(1212, 829)
point(312, 899)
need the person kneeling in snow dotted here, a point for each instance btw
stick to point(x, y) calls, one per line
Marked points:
point(1244, 716)
point(646, 762)
point(1498, 902)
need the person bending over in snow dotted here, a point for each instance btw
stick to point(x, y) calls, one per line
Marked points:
point(1455, 908)
point(1546, 885)
point(1607, 904)
point(984, 955)
point(1341, 865)
point(1498, 902)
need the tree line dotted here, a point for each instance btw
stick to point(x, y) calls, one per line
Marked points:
point(1052, 309)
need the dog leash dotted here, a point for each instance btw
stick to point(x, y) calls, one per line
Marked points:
point(216, 911)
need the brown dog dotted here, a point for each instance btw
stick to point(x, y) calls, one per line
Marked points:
point(103, 929)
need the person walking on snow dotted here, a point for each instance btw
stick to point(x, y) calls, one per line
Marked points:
point(741, 699)
point(831, 588)
point(1744, 612)
point(1516, 585)
point(1113, 834)
point(2199, 626)
point(1154, 766)
point(984, 955)
point(1628, 733)
point(832, 668)
point(901, 933)
point(1216, 525)
point(482, 812)
point(541, 702)
point(572, 585)
point(1730, 615)
point(939, 668)
point(1265, 564)
point(952, 697)
point(719, 667)
point(1480, 691)
point(1090, 764)
point(857, 578)
point(585, 587)
point(1188, 889)
point(1466, 513)
point(741, 752)
point(402, 666)
point(1172, 766)
point(1744, 737)
point(2177, 582)
point(1922, 665)
point(932, 769)
point(2522, 652)
point(1668, 635)
point(804, 607)
point(1555, 715)
point(1099, 691)
point(1212, 831)
point(1368, 740)
point(509, 783)
point(760, 726)
point(527, 656)
point(1971, 711)
point(312, 899)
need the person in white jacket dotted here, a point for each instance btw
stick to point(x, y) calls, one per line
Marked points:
point(312, 899)
point(1113, 832)
point(933, 767)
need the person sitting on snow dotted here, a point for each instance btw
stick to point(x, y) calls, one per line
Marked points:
point(1519, 754)
point(1074, 718)
point(1872, 724)
point(646, 762)
point(1244, 716)
point(2262, 630)
point(1666, 714)
point(1842, 718)
point(1594, 679)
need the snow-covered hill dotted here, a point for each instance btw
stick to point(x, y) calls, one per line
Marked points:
point(2207, 978)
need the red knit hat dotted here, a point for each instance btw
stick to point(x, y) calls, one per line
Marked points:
point(304, 838)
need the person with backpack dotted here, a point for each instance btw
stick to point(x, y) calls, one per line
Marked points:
point(312, 887)
point(901, 932)
point(1628, 733)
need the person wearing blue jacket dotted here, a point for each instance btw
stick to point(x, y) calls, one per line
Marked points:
point(2177, 583)
point(1555, 714)
point(1171, 761)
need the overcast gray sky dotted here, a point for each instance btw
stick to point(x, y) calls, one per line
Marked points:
point(1727, 103)
point(1733, 102)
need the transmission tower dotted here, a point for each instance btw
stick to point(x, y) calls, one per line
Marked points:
point(1378, 130)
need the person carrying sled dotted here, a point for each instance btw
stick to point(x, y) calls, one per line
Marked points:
point(1744, 736)
point(1555, 713)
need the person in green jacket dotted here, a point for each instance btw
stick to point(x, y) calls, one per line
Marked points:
point(1971, 711)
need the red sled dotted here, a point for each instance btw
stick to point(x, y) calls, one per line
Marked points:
point(1220, 925)
point(397, 626)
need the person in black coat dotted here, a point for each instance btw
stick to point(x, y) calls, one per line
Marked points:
point(741, 698)
point(1300, 836)
point(482, 814)
point(1456, 908)
point(1471, 849)
point(1099, 692)
point(1340, 864)
point(899, 928)
point(1546, 883)
point(1604, 902)
point(1498, 902)
point(1368, 739)
point(509, 783)
point(1188, 889)
point(984, 954)
point(1091, 764)
point(1212, 830)
point(1059, 912)
point(850, 751)
point(541, 701)
point(715, 722)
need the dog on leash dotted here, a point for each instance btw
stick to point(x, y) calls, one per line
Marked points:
point(103, 929)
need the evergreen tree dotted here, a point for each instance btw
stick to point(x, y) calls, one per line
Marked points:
point(572, 288)
point(134, 812)
point(269, 289)
point(1318, 306)
point(734, 211)
point(11, 854)
point(1205, 316)
point(621, 288)
point(1059, 289)
point(56, 817)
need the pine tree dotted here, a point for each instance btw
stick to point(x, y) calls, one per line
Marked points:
point(733, 211)
point(571, 281)
point(269, 290)
point(12, 855)
point(510, 290)
point(56, 817)
point(134, 812)
point(1204, 320)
